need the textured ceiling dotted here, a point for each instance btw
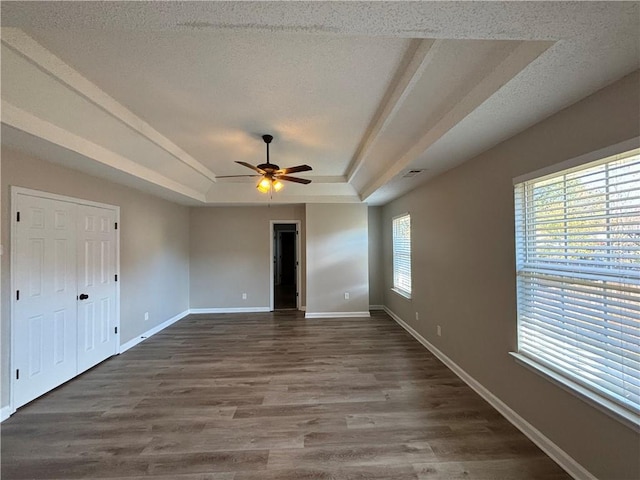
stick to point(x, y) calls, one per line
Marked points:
point(214, 92)
point(166, 95)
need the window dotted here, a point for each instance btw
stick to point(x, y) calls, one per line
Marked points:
point(578, 277)
point(402, 255)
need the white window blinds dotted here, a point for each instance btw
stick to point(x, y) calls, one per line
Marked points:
point(402, 254)
point(578, 275)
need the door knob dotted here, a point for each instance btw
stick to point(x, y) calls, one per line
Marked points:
point(83, 296)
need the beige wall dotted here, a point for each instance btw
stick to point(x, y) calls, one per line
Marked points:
point(464, 273)
point(154, 246)
point(376, 277)
point(229, 254)
point(5, 353)
point(337, 258)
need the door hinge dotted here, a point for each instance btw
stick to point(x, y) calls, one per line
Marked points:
point(116, 277)
point(17, 374)
point(297, 232)
point(17, 216)
point(116, 330)
point(17, 294)
point(296, 294)
point(116, 225)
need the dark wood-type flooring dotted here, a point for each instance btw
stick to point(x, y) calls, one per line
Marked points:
point(269, 396)
point(284, 297)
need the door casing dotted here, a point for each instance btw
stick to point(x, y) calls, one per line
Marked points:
point(272, 224)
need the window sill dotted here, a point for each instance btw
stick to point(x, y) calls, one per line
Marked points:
point(614, 410)
point(402, 293)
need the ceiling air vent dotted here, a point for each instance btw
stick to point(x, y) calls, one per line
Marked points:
point(412, 173)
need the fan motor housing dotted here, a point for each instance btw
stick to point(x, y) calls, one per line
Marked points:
point(268, 167)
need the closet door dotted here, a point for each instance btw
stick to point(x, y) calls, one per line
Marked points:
point(45, 322)
point(97, 261)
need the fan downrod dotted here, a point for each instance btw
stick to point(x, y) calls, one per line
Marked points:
point(268, 167)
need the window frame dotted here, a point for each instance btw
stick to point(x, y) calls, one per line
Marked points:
point(406, 293)
point(585, 392)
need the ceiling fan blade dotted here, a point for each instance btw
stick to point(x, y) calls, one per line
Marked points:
point(299, 168)
point(236, 176)
point(293, 179)
point(248, 165)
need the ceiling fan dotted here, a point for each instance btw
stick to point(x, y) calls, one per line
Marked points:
point(271, 173)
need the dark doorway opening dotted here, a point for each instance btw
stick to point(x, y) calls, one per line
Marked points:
point(285, 288)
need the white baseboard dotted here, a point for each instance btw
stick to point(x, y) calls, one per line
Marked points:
point(562, 458)
point(136, 340)
point(336, 314)
point(230, 310)
point(376, 307)
point(5, 412)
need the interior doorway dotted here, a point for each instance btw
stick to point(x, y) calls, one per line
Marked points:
point(285, 265)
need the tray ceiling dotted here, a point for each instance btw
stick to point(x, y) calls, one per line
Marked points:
point(166, 98)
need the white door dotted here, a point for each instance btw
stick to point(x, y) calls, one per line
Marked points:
point(45, 324)
point(97, 339)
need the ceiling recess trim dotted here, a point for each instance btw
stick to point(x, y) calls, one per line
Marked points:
point(17, 118)
point(510, 66)
point(422, 52)
point(26, 46)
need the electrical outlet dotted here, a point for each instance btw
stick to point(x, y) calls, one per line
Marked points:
point(417, 316)
point(439, 331)
point(346, 295)
point(146, 315)
point(244, 296)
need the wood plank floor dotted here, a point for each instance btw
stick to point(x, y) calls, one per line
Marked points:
point(269, 396)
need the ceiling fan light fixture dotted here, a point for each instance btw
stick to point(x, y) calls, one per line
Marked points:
point(267, 184)
point(271, 174)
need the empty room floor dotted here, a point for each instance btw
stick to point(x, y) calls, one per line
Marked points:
point(269, 396)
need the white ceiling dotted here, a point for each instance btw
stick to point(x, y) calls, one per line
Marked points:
point(164, 96)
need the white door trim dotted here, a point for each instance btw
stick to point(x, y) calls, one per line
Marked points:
point(15, 191)
point(272, 223)
point(62, 198)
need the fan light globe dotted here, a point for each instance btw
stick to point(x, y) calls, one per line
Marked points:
point(277, 185)
point(264, 185)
